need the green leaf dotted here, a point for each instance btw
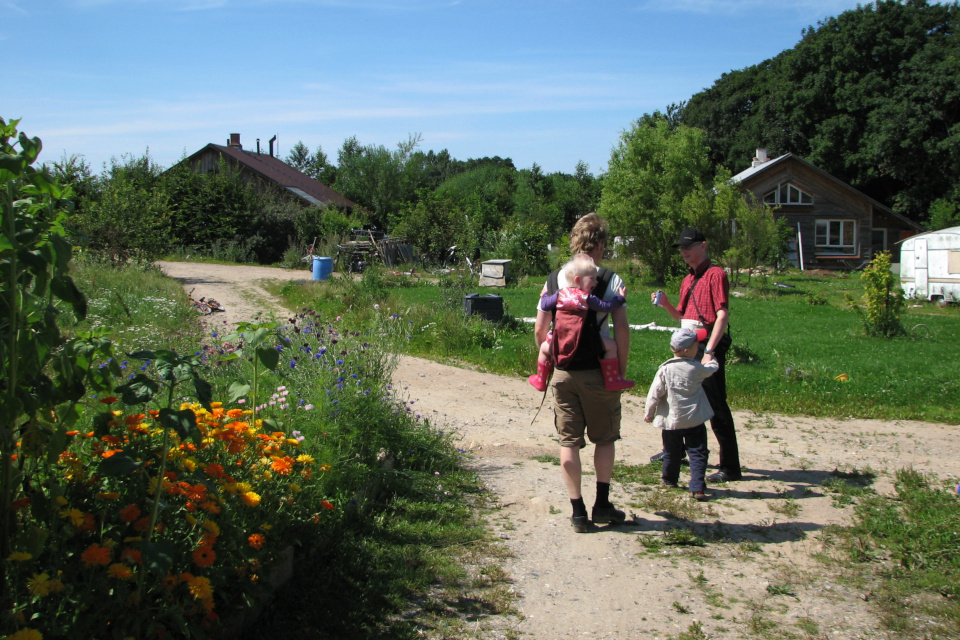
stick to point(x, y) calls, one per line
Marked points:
point(119, 464)
point(237, 391)
point(268, 356)
point(158, 557)
point(204, 391)
point(139, 390)
point(184, 422)
point(64, 288)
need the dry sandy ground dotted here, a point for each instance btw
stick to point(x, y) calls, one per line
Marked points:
point(761, 532)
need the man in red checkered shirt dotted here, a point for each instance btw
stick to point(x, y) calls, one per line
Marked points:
point(704, 304)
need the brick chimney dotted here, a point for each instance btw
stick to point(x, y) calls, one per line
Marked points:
point(761, 157)
point(234, 142)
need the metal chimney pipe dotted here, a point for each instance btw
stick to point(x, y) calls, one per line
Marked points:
point(258, 146)
point(272, 140)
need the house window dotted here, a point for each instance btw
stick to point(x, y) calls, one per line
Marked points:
point(786, 193)
point(837, 237)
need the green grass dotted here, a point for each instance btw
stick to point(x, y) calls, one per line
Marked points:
point(910, 545)
point(789, 351)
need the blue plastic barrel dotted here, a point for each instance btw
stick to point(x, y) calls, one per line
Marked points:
point(322, 267)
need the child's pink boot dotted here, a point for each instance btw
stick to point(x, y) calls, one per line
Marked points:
point(541, 378)
point(611, 376)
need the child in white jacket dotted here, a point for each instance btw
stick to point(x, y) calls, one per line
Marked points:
point(677, 404)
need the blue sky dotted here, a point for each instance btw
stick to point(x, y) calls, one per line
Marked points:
point(546, 82)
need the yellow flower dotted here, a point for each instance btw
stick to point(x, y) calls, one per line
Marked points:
point(200, 588)
point(75, 516)
point(60, 500)
point(25, 634)
point(191, 520)
point(243, 487)
point(325, 467)
point(19, 556)
point(267, 475)
point(39, 584)
point(266, 527)
point(250, 499)
point(305, 459)
point(211, 527)
point(294, 487)
point(189, 464)
point(120, 571)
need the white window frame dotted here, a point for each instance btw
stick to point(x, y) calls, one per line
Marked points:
point(787, 193)
point(829, 236)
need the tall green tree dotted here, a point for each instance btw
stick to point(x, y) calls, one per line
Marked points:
point(870, 96)
point(377, 178)
point(658, 182)
point(315, 165)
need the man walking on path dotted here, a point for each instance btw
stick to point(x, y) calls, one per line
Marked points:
point(704, 304)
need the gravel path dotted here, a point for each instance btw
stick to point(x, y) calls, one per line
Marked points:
point(755, 575)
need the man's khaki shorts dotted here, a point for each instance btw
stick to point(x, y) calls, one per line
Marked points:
point(582, 404)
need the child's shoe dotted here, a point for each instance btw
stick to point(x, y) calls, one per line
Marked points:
point(541, 378)
point(699, 496)
point(611, 376)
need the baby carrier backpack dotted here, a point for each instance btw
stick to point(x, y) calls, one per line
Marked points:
point(576, 340)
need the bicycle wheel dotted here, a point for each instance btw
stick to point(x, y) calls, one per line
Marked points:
point(202, 307)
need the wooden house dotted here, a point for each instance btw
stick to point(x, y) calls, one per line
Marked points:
point(268, 170)
point(834, 225)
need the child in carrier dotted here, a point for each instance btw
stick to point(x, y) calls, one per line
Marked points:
point(571, 305)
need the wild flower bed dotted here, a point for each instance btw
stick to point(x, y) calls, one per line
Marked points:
point(164, 512)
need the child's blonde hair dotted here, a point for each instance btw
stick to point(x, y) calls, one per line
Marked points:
point(580, 265)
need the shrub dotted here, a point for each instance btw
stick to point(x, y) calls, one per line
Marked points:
point(882, 299)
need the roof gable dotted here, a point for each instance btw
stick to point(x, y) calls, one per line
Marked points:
point(753, 173)
point(278, 172)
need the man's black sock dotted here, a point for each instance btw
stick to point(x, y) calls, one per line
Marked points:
point(603, 495)
point(579, 509)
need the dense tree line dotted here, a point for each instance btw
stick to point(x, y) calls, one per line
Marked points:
point(870, 96)
point(136, 208)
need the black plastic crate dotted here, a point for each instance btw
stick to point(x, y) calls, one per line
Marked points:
point(490, 306)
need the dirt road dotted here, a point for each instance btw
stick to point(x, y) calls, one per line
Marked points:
point(754, 574)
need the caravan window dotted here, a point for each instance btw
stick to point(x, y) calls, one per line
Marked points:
point(836, 237)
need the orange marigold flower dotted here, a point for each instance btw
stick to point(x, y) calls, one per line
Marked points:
point(210, 507)
point(283, 465)
point(73, 433)
point(326, 504)
point(197, 492)
point(256, 540)
point(134, 418)
point(153, 413)
point(109, 453)
point(204, 555)
point(211, 527)
point(113, 441)
point(75, 516)
point(214, 470)
point(89, 524)
point(120, 571)
point(108, 495)
point(142, 524)
point(130, 513)
point(200, 588)
point(95, 555)
point(233, 414)
point(250, 499)
point(131, 555)
point(108, 400)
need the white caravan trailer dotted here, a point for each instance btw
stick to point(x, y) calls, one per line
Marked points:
point(930, 265)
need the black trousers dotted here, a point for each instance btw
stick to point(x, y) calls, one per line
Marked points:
point(722, 422)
